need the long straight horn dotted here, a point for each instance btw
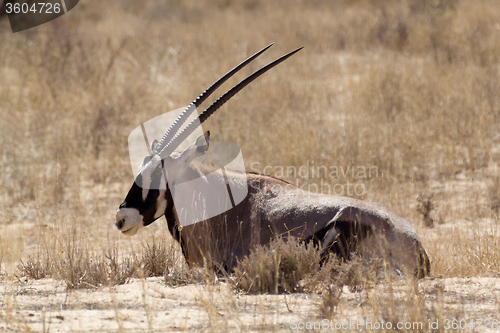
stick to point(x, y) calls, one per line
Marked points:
point(179, 138)
point(169, 134)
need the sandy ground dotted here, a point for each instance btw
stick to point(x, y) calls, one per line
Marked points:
point(150, 305)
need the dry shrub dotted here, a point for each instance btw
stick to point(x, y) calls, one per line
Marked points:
point(290, 266)
point(35, 268)
point(360, 274)
point(167, 261)
point(156, 258)
point(81, 268)
point(357, 274)
point(425, 207)
point(84, 270)
point(277, 267)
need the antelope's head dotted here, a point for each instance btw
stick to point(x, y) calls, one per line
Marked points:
point(147, 199)
point(149, 196)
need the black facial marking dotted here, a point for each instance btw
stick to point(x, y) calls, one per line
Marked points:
point(148, 207)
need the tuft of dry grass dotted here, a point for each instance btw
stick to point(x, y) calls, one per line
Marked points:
point(156, 259)
point(80, 269)
point(277, 267)
point(289, 266)
point(83, 268)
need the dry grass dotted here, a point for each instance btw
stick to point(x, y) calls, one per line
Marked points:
point(83, 268)
point(410, 88)
point(277, 267)
point(291, 267)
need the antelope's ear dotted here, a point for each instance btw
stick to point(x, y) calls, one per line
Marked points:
point(154, 144)
point(197, 149)
point(202, 142)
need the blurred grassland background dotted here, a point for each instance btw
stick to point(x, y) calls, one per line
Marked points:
point(411, 87)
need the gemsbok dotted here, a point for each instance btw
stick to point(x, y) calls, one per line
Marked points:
point(271, 207)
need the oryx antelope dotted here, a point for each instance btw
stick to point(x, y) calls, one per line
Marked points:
point(271, 208)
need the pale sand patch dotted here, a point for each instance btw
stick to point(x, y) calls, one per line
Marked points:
point(150, 305)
